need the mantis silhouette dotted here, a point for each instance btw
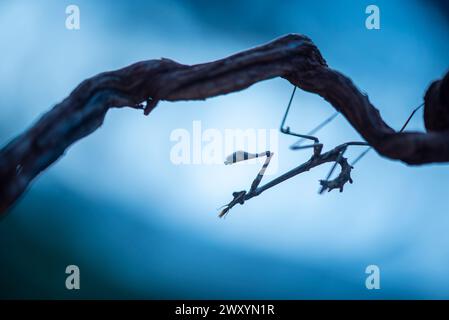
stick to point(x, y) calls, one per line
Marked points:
point(318, 157)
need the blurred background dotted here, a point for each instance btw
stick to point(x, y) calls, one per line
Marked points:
point(139, 226)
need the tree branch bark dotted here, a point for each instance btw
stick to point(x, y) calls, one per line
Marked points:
point(143, 84)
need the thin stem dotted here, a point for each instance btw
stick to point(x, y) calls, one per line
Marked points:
point(315, 130)
point(288, 108)
point(286, 130)
point(411, 116)
point(361, 155)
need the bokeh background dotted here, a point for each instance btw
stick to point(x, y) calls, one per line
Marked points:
point(139, 226)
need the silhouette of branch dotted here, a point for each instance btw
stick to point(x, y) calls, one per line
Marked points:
point(143, 84)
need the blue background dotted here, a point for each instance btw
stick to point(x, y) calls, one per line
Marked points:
point(139, 226)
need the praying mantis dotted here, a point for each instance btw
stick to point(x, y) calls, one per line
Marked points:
point(318, 157)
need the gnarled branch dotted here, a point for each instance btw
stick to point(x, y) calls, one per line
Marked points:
point(143, 84)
